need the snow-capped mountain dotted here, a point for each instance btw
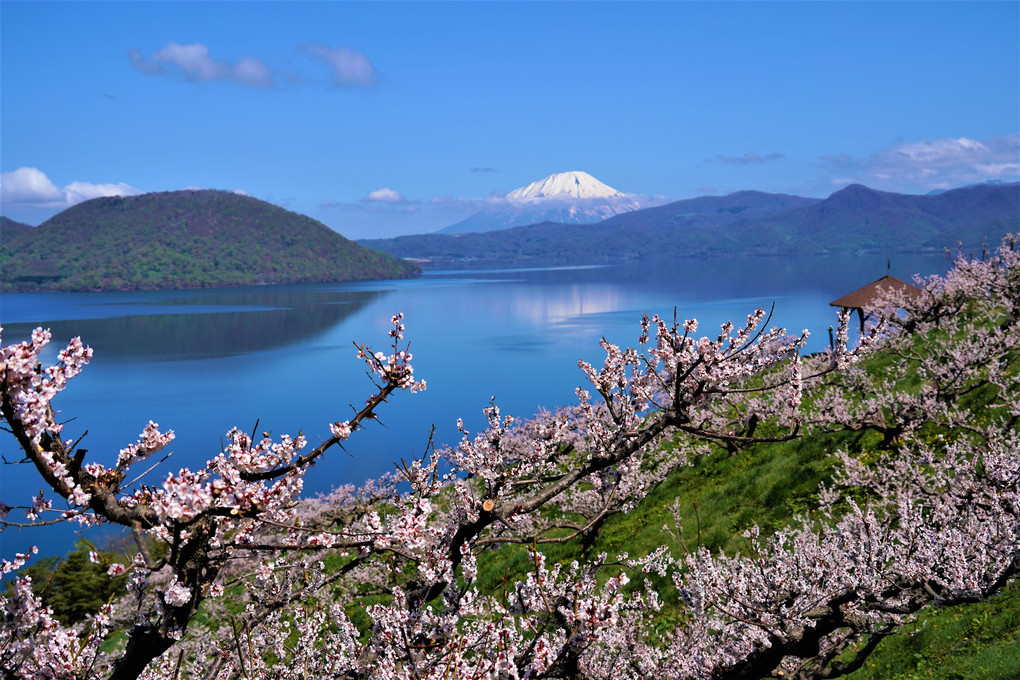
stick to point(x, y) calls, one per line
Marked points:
point(567, 197)
point(564, 185)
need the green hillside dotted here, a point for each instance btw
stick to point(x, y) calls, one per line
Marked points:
point(184, 239)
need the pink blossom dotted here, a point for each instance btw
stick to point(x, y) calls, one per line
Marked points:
point(177, 594)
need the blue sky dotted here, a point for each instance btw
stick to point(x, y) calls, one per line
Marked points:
point(386, 118)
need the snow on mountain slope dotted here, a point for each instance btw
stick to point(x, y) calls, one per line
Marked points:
point(565, 185)
point(567, 197)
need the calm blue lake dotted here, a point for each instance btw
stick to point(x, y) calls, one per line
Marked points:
point(202, 361)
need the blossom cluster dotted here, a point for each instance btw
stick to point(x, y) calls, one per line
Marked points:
point(32, 389)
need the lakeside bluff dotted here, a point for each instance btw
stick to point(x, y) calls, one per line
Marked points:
point(182, 239)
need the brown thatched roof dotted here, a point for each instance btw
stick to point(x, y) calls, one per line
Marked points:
point(864, 298)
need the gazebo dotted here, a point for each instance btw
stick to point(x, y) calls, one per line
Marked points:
point(863, 299)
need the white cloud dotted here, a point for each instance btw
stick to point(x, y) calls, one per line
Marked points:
point(194, 62)
point(253, 73)
point(381, 201)
point(385, 195)
point(349, 67)
point(932, 164)
point(83, 191)
point(28, 185)
point(31, 187)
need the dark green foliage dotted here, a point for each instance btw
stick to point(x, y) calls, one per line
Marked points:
point(184, 239)
point(75, 587)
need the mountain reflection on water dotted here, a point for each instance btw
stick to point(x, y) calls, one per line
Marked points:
point(208, 326)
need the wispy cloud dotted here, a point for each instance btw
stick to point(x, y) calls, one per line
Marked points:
point(194, 62)
point(340, 205)
point(389, 200)
point(348, 68)
point(932, 164)
point(460, 203)
point(751, 158)
point(83, 191)
point(31, 187)
point(143, 64)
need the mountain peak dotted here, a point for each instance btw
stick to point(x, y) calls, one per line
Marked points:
point(566, 198)
point(564, 185)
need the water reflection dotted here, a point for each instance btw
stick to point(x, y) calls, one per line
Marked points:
point(587, 302)
point(575, 300)
point(252, 322)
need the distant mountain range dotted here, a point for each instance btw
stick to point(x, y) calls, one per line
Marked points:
point(568, 197)
point(987, 182)
point(853, 219)
point(181, 239)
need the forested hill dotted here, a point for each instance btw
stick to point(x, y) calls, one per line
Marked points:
point(854, 219)
point(11, 229)
point(183, 239)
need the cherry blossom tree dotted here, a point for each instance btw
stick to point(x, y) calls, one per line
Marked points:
point(201, 517)
point(382, 581)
